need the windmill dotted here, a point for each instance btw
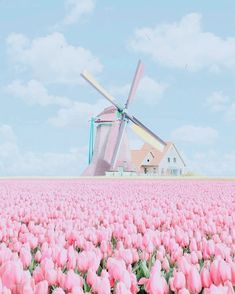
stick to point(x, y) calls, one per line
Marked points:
point(111, 148)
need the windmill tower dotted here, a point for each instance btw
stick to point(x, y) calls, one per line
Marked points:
point(111, 148)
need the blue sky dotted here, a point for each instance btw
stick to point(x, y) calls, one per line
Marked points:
point(186, 95)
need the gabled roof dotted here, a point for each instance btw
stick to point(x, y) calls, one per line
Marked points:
point(139, 155)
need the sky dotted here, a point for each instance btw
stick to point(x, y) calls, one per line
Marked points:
point(185, 96)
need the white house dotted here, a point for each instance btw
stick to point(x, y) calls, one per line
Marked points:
point(150, 161)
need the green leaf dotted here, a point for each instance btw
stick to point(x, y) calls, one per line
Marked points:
point(144, 269)
point(32, 265)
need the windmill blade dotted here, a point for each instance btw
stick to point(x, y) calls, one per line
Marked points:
point(91, 80)
point(118, 142)
point(148, 138)
point(138, 74)
point(146, 134)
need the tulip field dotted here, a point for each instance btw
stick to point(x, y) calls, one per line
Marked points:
point(117, 236)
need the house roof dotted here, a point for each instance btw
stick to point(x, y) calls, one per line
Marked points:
point(139, 155)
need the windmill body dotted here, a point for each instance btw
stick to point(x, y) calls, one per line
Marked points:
point(107, 126)
point(111, 148)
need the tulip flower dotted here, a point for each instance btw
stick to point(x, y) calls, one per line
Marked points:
point(42, 287)
point(194, 280)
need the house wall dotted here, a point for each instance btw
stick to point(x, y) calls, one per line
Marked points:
point(171, 168)
point(150, 169)
point(148, 158)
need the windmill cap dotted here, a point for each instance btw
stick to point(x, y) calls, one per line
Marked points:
point(108, 114)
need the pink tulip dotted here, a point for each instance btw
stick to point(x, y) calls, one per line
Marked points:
point(51, 276)
point(184, 291)
point(122, 289)
point(193, 245)
point(11, 274)
point(91, 277)
point(77, 290)
point(179, 281)
point(38, 256)
point(205, 278)
point(41, 287)
point(194, 258)
point(104, 286)
point(61, 257)
point(58, 291)
point(194, 280)
point(224, 271)
point(25, 257)
point(38, 274)
point(72, 280)
point(210, 248)
point(232, 265)
point(214, 272)
point(216, 290)
point(184, 265)
point(27, 289)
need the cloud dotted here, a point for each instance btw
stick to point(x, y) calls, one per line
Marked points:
point(217, 101)
point(15, 162)
point(7, 134)
point(75, 9)
point(149, 91)
point(47, 164)
point(78, 114)
point(195, 134)
point(34, 92)
point(7, 142)
point(51, 59)
point(230, 113)
point(212, 163)
point(185, 43)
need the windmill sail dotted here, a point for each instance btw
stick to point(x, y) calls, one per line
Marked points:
point(138, 74)
point(146, 136)
point(91, 80)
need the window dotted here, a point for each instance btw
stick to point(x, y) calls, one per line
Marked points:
point(174, 159)
point(147, 160)
point(169, 160)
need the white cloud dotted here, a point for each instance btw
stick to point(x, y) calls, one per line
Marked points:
point(51, 58)
point(34, 92)
point(217, 101)
point(7, 134)
point(149, 91)
point(7, 142)
point(230, 113)
point(15, 162)
point(78, 114)
point(195, 134)
point(75, 9)
point(47, 164)
point(185, 44)
point(212, 163)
